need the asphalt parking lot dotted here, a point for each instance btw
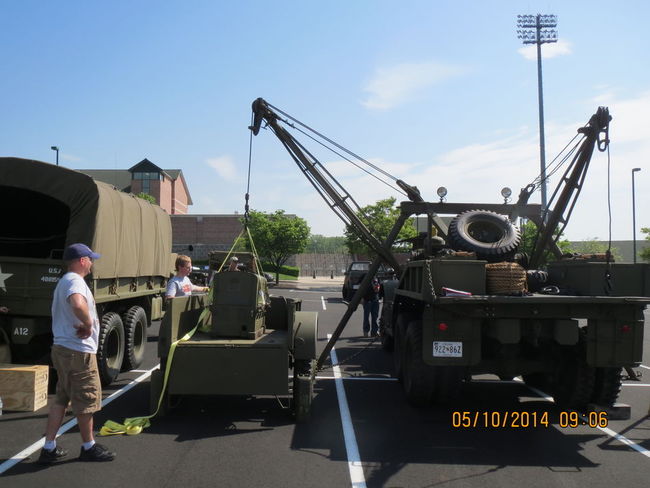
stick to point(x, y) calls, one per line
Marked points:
point(361, 431)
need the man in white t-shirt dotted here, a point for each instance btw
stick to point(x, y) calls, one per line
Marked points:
point(75, 327)
point(180, 285)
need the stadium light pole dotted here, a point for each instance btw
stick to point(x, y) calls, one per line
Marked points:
point(634, 217)
point(539, 29)
point(56, 148)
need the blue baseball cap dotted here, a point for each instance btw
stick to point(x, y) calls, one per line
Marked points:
point(78, 250)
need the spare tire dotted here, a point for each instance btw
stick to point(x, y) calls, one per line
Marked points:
point(490, 235)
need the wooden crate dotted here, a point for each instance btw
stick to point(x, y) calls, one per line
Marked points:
point(23, 388)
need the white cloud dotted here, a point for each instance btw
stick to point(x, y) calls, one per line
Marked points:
point(70, 158)
point(395, 85)
point(550, 50)
point(224, 167)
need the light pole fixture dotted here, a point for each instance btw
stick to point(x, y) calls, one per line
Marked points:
point(539, 29)
point(634, 170)
point(56, 148)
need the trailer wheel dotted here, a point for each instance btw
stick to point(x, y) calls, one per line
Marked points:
point(418, 377)
point(490, 235)
point(110, 352)
point(303, 389)
point(573, 382)
point(135, 329)
point(607, 386)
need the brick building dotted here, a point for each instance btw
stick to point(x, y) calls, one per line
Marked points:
point(167, 186)
point(204, 233)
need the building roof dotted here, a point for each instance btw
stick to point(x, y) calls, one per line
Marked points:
point(121, 178)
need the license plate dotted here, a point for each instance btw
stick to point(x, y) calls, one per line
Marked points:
point(447, 349)
point(355, 287)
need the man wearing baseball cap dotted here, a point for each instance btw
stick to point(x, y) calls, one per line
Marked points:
point(75, 327)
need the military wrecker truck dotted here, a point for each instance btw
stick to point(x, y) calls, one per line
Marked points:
point(467, 303)
point(47, 207)
point(237, 340)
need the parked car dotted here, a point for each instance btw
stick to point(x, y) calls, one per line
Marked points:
point(355, 273)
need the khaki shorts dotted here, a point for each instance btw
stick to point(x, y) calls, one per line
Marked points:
point(78, 380)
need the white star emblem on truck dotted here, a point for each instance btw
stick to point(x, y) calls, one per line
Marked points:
point(3, 278)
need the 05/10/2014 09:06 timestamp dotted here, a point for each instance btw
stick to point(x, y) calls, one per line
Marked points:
point(523, 420)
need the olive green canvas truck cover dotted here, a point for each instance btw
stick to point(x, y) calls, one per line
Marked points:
point(48, 207)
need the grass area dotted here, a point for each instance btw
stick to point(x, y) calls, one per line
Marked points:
point(284, 276)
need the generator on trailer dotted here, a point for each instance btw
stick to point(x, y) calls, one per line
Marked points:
point(238, 340)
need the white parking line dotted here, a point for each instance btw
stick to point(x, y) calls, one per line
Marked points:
point(606, 430)
point(354, 460)
point(25, 453)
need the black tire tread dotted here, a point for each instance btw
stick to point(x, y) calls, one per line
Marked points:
point(109, 322)
point(418, 377)
point(133, 356)
point(461, 240)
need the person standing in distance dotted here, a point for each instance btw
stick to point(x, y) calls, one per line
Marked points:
point(75, 327)
point(371, 308)
point(180, 285)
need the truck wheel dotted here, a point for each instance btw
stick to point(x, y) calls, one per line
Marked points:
point(110, 352)
point(573, 382)
point(135, 329)
point(490, 235)
point(5, 349)
point(447, 384)
point(399, 330)
point(607, 386)
point(387, 340)
point(418, 377)
point(303, 389)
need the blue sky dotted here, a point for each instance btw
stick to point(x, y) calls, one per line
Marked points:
point(435, 92)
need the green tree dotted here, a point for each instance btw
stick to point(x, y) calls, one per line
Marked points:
point(147, 197)
point(278, 236)
point(379, 218)
point(645, 253)
point(594, 246)
point(529, 236)
point(319, 244)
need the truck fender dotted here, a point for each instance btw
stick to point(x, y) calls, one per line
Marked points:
point(305, 335)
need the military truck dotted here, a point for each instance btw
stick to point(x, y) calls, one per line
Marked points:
point(462, 304)
point(355, 273)
point(241, 342)
point(47, 207)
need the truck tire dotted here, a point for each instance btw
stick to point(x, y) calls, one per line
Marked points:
point(387, 340)
point(607, 386)
point(447, 384)
point(418, 377)
point(490, 235)
point(345, 294)
point(303, 389)
point(399, 331)
point(135, 330)
point(5, 348)
point(110, 352)
point(573, 381)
